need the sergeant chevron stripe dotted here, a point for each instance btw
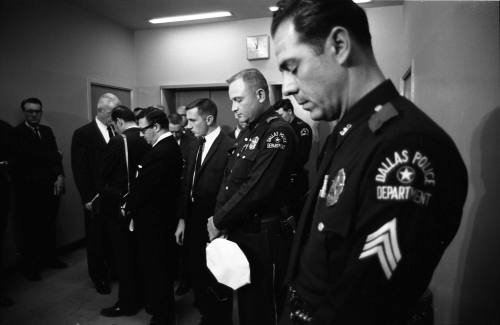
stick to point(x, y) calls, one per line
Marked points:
point(384, 244)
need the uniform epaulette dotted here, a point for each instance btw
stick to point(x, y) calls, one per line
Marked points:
point(381, 116)
point(270, 118)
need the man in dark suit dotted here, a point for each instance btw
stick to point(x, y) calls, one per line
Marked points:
point(87, 152)
point(121, 158)
point(184, 139)
point(153, 206)
point(181, 134)
point(39, 182)
point(204, 173)
point(5, 196)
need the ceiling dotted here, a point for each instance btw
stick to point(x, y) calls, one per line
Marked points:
point(134, 14)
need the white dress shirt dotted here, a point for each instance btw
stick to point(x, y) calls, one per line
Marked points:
point(103, 128)
point(163, 136)
point(209, 140)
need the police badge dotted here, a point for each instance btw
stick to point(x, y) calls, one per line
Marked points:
point(336, 188)
point(253, 143)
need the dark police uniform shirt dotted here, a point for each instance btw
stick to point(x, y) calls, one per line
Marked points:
point(304, 135)
point(257, 173)
point(387, 203)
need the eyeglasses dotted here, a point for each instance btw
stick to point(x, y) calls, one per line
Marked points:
point(33, 111)
point(147, 127)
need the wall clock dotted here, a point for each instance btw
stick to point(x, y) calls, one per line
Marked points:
point(258, 47)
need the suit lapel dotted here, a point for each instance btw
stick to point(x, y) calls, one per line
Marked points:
point(98, 133)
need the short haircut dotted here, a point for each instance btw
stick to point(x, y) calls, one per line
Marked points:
point(154, 116)
point(314, 19)
point(138, 109)
point(175, 118)
point(107, 99)
point(284, 103)
point(252, 77)
point(122, 112)
point(205, 107)
point(31, 100)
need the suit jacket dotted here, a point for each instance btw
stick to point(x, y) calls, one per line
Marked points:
point(153, 198)
point(114, 169)
point(201, 205)
point(36, 159)
point(186, 140)
point(87, 153)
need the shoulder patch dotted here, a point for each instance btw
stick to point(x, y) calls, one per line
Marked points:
point(304, 132)
point(277, 140)
point(381, 116)
point(406, 175)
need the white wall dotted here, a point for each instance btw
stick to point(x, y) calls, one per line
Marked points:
point(455, 48)
point(51, 50)
point(211, 53)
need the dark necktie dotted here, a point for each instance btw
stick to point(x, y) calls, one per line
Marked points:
point(37, 132)
point(111, 132)
point(199, 154)
point(197, 163)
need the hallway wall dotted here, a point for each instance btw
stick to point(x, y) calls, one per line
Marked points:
point(455, 48)
point(52, 50)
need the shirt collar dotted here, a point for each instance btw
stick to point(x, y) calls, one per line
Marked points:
point(33, 128)
point(270, 112)
point(100, 124)
point(163, 136)
point(364, 107)
point(210, 138)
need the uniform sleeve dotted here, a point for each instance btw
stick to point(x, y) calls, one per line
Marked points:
point(272, 163)
point(411, 198)
point(80, 165)
point(304, 144)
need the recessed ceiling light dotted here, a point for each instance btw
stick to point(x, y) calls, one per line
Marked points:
point(362, 1)
point(206, 15)
point(273, 8)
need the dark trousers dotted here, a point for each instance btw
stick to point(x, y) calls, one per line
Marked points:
point(155, 244)
point(36, 211)
point(98, 247)
point(267, 252)
point(124, 247)
point(214, 300)
point(4, 214)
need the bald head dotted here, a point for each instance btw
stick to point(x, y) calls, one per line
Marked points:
point(105, 105)
point(181, 110)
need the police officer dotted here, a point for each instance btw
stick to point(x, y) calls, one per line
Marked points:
point(391, 184)
point(299, 180)
point(252, 195)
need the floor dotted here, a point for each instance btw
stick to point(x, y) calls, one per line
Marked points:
point(67, 297)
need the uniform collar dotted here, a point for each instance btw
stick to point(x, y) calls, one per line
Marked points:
point(364, 107)
point(262, 117)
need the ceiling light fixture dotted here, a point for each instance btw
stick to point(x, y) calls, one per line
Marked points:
point(273, 8)
point(206, 15)
point(362, 1)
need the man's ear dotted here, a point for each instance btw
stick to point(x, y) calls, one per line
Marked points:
point(339, 45)
point(261, 95)
point(210, 120)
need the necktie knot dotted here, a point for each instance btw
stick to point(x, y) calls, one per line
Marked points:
point(111, 131)
point(202, 140)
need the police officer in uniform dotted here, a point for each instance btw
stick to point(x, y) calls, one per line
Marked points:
point(252, 193)
point(391, 184)
point(299, 180)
